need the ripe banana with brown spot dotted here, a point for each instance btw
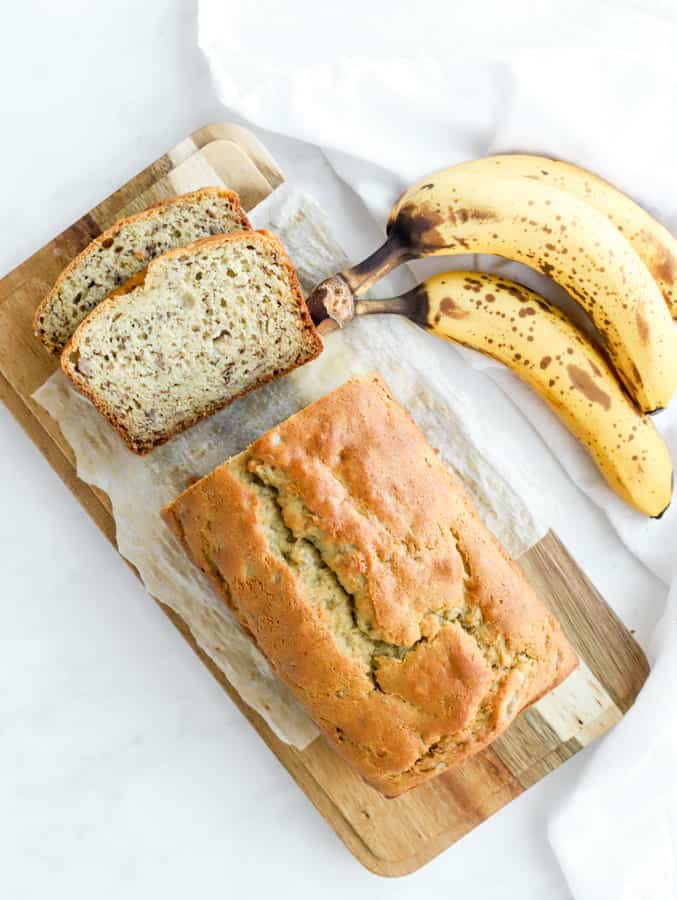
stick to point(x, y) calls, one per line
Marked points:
point(652, 242)
point(539, 343)
point(460, 210)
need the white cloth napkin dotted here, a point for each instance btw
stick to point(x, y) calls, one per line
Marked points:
point(615, 836)
point(390, 93)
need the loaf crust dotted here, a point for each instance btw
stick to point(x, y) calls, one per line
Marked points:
point(359, 566)
point(124, 297)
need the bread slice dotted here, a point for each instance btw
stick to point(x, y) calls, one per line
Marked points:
point(125, 249)
point(211, 322)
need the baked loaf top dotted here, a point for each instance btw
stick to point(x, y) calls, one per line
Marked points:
point(359, 566)
point(208, 323)
point(125, 249)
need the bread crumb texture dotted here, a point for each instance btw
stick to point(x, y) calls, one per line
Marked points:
point(210, 322)
point(359, 566)
point(126, 249)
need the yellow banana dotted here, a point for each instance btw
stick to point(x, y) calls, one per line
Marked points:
point(652, 242)
point(533, 338)
point(458, 210)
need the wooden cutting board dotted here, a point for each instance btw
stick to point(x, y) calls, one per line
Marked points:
point(390, 837)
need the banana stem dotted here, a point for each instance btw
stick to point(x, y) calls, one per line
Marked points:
point(380, 263)
point(413, 305)
point(333, 303)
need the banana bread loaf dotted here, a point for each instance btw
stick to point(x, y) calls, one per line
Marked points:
point(358, 564)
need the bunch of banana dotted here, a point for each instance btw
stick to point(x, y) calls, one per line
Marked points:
point(470, 209)
point(609, 254)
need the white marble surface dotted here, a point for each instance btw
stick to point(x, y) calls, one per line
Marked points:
point(124, 770)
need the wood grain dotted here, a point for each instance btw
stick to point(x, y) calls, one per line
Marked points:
point(245, 140)
point(219, 162)
point(390, 837)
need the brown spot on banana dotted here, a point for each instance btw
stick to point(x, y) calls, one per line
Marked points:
point(450, 308)
point(514, 290)
point(416, 227)
point(636, 375)
point(642, 326)
point(661, 261)
point(584, 383)
point(461, 216)
point(665, 266)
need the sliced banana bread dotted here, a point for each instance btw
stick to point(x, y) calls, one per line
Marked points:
point(211, 322)
point(125, 249)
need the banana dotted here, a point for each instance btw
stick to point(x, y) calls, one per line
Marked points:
point(542, 347)
point(653, 243)
point(460, 210)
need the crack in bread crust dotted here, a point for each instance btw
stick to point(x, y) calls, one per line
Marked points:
point(468, 615)
point(285, 542)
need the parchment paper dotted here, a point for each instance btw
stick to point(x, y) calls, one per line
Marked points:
point(138, 487)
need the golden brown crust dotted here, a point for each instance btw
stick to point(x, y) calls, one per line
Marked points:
point(130, 285)
point(397, 530)
point(111, 232)
point(121, 297)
